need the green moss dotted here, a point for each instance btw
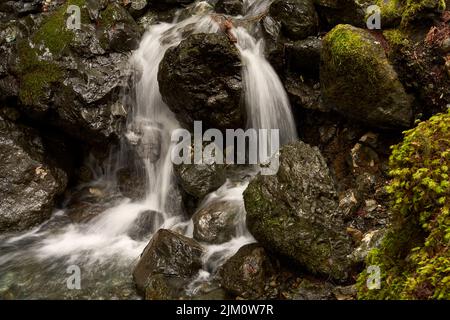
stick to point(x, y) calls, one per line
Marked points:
point(414, 257)
point(396, 37)
point(53, 33)
point(348, 50)
point(35, 74)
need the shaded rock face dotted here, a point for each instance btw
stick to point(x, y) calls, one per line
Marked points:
point(230, 7)
point(298, 18)
point(169, 256)
point(200, 79)
point(294, 213)
point(29, 183)
point(216, 222)
point(313, 290)
point(358, 81)
point(71, 79)
point(246, 273)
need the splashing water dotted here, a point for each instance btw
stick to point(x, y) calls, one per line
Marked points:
point(33, 264)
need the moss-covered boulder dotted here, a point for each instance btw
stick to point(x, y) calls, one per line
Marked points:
point(414, 257)
point(295, 213)
point(298, 18)
point(359, 82)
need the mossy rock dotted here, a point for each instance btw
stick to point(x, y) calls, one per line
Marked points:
point(359, 82)
point(293, 213)
point(414, 258)
point(406, 12)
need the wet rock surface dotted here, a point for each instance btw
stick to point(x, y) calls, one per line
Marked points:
point(246, 273)
point(358, 81)
point(168, 259)
point(29, 182)
point(201, 80)
point(294, 213)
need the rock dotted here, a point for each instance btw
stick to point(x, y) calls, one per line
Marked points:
point(246, 273)
point(88, 202)
point(162, 5)
point(132, 182)
point(230, 7)
point(71, 79)
point(303, 56)
point(334, 12)
point(146, 223)
point(168, 256)
point(349, 202)
point(216, 222)
point(314, 290)
point(304, 94)
point(298, 17)
point(199, 180)
point(345, 292)
point(165, 287)
point(200, 79)
point(358, 81)
point(295, 213)
point(29, 181)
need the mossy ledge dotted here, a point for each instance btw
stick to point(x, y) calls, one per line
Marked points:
point(414, 258)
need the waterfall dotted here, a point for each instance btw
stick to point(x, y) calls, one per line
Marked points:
point(102, 246)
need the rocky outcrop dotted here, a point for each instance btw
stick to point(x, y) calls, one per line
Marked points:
point(294, 213)
point(216, 222)
point(168, 259)
point(358, 81)
point(200, 79)
point(30, 182)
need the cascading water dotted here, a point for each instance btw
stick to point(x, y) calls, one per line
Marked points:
point(33, 264)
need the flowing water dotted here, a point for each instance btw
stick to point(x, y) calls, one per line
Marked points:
point(34, 264)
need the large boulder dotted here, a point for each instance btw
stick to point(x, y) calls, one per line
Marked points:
point(200, 79)
point(295, 213)
point(29, 182)
point(168, 258)
point(298, 18)
point(358, 81)
point(230, 7)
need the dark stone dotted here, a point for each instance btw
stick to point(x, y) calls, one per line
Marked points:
point(230, 7)
point(29, 181)
point(298, 17)
point(216, 222)
point(200, 79)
